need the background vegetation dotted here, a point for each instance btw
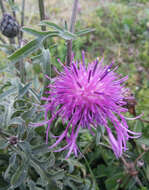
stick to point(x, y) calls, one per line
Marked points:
point(121, 34)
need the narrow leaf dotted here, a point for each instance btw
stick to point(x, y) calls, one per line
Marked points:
point(16, 121)
point(8, 92)
point(38, 33)
point(67, 35)
point(25, 51)
point(51, 25)
point(38, 168)
point(41, 149)
point(19, 176)
point(24, 90)
point(85, 31)
point(30, 47)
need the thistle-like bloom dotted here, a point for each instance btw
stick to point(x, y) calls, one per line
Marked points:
point(88, 96)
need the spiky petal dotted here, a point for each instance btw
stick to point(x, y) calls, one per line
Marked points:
point(88, 97)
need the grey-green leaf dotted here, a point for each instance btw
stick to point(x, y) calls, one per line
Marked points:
point(8, 92)
point(85, 31)
point(32, 46)
point(24, 90)
point(51, 25)
point(3, 144)
point(38, 33)
point(25, 51)
point(19, 176)
point(41, 149)
point(38, 168)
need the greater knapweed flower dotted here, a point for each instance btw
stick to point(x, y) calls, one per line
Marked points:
point(88, 96)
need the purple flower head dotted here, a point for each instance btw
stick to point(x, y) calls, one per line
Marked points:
point(88, 97)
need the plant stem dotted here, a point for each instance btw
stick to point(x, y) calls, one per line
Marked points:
point(12, 40)
point(2, 6)
point(22, 18)
point(42, 17)
point(42, 12)
point(20, 37)
point(47, 65)
point(13, 11)
point(72, 28)
point(95, 185)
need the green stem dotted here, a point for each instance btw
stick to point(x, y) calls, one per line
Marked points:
point(22, 18)
point(92, 175)
point(72, 28)
point(2, 6)
point(12, 40)
point(42, 12)
point(21, 63)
